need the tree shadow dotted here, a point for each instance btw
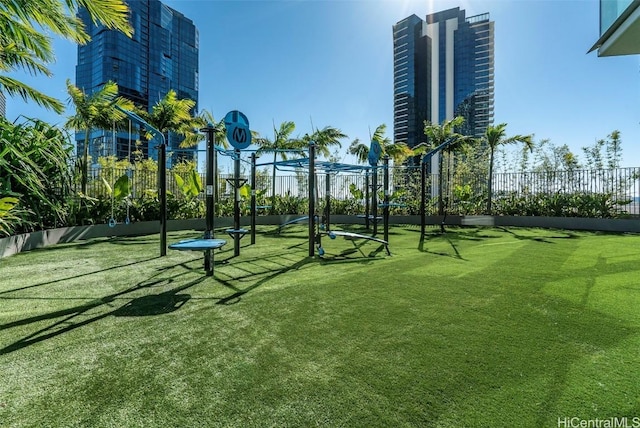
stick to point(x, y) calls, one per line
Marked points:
point(456, 253)
point(236, 297)
point(545, 239)
point(70, 319)
point(520, 333)
point(67, 278)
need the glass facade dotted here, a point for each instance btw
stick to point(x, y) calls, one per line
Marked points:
point(610, 10)
point(161, 55)
point(409, 95)
point(443, 67)
point(619, 28)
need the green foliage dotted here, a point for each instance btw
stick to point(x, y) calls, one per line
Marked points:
point(590, 205)
point(86, 210)
point(288, 204)
point(173, 114)
point(605, 153)
point(357, 193)
point(467, 201)
point(186, 203)
point(121, 188)
point(282, 140)
point(98, 110)
point(26, 34)
point(34, 166)
point(245, 192)
point(398, 151)
point(346, 206)
point(146, 207)
point(7, 218)
point(191, 186)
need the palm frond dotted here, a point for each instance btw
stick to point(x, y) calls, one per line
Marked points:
point(359, 150)
point(14, 87)
point(113, 14)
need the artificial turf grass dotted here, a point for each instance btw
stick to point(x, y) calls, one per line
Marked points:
point(477, 327)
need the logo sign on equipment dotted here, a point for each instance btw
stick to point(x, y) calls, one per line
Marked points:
point(374, 153)
point(238, 132)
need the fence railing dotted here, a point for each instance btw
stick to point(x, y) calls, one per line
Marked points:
point(457, 193)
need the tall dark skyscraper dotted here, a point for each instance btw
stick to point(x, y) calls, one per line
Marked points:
point(443, 68)
point(161, 55)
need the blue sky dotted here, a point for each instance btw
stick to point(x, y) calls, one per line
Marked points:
point(331, 63)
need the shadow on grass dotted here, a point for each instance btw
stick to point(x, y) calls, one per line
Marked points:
point(517, 334)
point(71, 318)
point(545, 239)
point(53, 281)
point(455, 236)
point(283, 264)
point(88, 243)
point(456, 254)
point(236, 297)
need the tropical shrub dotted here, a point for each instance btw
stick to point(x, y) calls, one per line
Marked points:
point(9, 215)
point(34, 167)
point(590, 205)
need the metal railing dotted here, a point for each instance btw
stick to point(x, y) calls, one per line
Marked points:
point(460, 194)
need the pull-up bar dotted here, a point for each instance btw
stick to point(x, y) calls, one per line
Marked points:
point(162, 174)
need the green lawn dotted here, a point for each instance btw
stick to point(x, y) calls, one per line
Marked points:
point(473, 328)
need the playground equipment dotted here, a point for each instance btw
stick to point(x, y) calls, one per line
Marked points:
point(162, 174)
point(120, 191)
point(236, 233)
point(239, 136)
point(292, 222)
point(374, 154)
point(207, 243)
point(315, 222)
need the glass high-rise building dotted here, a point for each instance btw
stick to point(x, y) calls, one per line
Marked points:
point(443, 68)
point(161, 55)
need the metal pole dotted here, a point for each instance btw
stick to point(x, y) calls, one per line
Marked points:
point(209, 191)
point(440, 200)
point(386, 197)
point(327, 193)
point(423, 202)
point(374, 200)
point(162, 189)
point(253, 198)
point(312, 204)
point(236, 203)
point(209, 196)
point(366, 200)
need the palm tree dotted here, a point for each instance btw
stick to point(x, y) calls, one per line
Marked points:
point(24, 47)
point(359, 150)
point(495, 136)
point(171, 114)
point(95, 111)
point(437, 135)
point(397, 151)
point(324, 139)
point(219, 128)
point(281, 141)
